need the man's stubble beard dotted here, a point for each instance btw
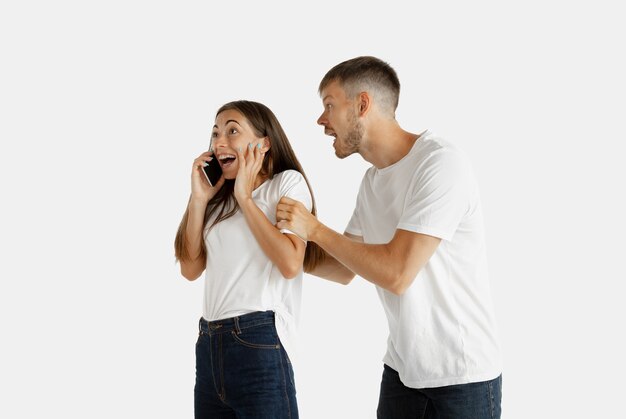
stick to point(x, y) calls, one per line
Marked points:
point(353, 139)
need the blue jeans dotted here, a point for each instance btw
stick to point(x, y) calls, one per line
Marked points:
point(463, 401)
point(243, 371)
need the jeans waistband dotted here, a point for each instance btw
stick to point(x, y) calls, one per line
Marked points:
point(236, 323)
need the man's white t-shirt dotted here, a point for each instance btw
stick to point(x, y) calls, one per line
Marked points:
point(240, 278)
point(442, 329)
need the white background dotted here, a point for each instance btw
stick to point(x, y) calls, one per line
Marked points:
point(104, 105)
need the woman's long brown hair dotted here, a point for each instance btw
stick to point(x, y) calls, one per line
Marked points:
point(279, 157)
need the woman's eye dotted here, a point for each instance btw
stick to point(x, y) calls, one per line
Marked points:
point(214, 134)
point(233, 131)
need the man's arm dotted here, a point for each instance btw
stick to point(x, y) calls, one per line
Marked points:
point(392, 266)
point(332, 269)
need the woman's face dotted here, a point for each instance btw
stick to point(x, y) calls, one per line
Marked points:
point(232, 131)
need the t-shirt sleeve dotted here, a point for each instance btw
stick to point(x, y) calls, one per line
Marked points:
point(294, 186)
point(439, 196)
point(354, 225)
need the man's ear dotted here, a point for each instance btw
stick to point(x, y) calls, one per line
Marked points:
point(365, 102)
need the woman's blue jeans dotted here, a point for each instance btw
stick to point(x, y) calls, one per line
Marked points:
point(243, 371)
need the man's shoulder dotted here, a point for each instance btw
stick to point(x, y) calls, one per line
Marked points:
point(431, 143)
point(434, 149)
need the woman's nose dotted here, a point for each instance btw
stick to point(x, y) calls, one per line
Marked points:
point(219, 141)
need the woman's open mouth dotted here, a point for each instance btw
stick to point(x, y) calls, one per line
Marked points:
point(226, 160)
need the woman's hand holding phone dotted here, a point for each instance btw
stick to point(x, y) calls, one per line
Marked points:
point(201, 189)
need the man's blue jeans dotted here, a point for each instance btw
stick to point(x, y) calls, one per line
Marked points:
point(242, 370)
point(463, 401)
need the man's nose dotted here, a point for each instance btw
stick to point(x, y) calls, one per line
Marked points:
point(322, 119)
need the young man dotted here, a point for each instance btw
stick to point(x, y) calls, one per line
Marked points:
point(417, 234)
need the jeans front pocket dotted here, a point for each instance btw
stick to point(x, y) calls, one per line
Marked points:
point(258, 337)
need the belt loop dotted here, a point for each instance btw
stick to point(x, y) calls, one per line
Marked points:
point(237, 329)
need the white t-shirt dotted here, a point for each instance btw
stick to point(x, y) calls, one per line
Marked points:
point(240, 278)
point(442, 329)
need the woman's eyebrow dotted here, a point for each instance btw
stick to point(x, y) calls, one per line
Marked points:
point(230, 120)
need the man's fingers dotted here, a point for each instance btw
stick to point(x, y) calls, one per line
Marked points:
point(283, 215)
point(287, 200)
point(284, 207)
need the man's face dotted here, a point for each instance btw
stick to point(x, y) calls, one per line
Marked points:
point(340, 120)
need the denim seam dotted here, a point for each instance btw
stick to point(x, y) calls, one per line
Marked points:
point(425, 408)
point(289, 367)
point(282, 368)
point(263, 323)
point(491, 399)
point(252, 345)
point(222, 391)
point(213, 367)
point(216, 332)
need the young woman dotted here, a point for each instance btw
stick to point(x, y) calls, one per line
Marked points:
point(253, 270)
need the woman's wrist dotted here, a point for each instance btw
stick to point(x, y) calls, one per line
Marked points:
point(198, 202)
point(246, 203)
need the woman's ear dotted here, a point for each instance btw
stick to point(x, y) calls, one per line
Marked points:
point(266, 144)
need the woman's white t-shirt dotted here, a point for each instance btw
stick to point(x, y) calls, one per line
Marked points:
point(240, 278)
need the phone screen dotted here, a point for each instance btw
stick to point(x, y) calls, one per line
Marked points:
point(212, 171)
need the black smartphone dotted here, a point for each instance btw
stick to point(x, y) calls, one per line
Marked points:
point(212, 171)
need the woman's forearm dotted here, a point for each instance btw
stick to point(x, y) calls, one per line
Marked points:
point(195, 265)
point(286, 254)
